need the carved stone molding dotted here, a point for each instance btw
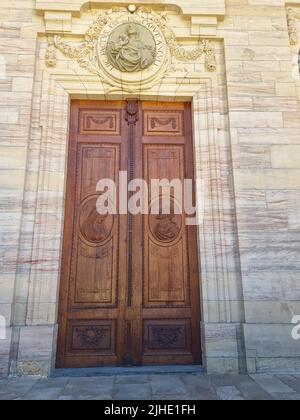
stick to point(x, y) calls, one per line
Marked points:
point(292, 17)
point(93, 53)
point(189, 8)
point(50, 56)
point(29, 369)
point(58, 22)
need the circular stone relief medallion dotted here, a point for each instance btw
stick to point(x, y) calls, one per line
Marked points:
point(94, 227)
point(132, 49)
point(165, 226)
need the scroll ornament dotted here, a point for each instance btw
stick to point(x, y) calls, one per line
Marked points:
point(85, 54)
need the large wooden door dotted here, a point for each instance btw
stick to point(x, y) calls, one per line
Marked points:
point(130, 283)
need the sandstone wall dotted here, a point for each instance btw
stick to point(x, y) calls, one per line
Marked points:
point(247, 313)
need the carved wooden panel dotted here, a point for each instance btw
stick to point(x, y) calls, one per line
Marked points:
point(100, 122)
point(92, 336)
point(167, 336)
point(164, 162)
point(165, 275)
point(167, 123)
point(165, 258)
point(94, 264)
point(97, 162)
point(96, 276)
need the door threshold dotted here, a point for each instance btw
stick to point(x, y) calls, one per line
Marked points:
point(140, 370)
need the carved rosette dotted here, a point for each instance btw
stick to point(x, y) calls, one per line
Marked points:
point(166, 337)
point(91, 337)
point(116, 35)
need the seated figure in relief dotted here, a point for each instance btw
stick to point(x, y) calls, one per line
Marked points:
point(129, 53)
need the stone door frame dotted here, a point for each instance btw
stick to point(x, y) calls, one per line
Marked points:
point(34, 318)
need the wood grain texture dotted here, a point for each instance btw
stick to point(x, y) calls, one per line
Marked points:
point(130, 286)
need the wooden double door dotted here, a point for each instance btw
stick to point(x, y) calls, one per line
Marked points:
point(130, 284)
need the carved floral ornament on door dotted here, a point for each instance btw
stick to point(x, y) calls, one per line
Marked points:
point(135, 43)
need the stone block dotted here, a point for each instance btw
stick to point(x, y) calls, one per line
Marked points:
point(58, 21)
point(285, 89)
point(271, 342)
point(36, 350)
point(256, 119)
point(285, 156)
point(4, 353)
point(268, 312)
point(281, 179)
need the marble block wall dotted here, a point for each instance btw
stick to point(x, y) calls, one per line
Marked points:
point(265, 131)
point(249, 155)
point(18, 58)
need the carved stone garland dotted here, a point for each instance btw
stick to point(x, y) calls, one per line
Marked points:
point(292, 17)
point(86, 56)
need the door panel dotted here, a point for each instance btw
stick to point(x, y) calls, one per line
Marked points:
point(96, 236)
point(170, 302)
point(130, 287)
point(92, 300)
point(165, 236)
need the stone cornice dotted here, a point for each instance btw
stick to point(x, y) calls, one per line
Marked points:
point(203, 14)
point(188, 7)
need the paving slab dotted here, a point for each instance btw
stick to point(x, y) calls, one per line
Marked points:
point(228, 380)
point(168, 385)
point(179, 387)
point(89, 388)
point(132, 379)
point(11, 389)
point(271, 384)
point(178, 397)
point(46, 389)
point(199, 387)
point(43, 394)
point(286, 397)
point(253, 392)
point(290, 381)
point(132, 392)
point(229, 393)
